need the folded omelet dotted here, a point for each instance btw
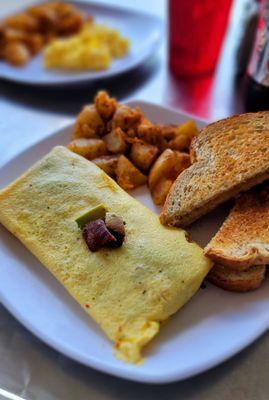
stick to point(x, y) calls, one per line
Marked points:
point(128, 291)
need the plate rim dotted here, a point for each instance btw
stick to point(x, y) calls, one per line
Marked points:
point(105, 74)
point(121, 371)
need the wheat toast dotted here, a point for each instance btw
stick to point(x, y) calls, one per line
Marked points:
point(237, 281)
point(243, 239)
point(229, 156)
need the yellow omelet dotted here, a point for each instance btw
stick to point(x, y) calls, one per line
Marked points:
point(128, 291)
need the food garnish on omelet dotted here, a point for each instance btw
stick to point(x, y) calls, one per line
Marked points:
point(128, 290)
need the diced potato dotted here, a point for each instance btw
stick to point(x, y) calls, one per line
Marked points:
point(12, 35)
point(69, 24)
point(89, 124)
point(34, 42)
point(107, 164)
point(126, 118)
point(145, 121)
point(164, 172)
point(169, 164)
point(69, 18)
point(180, 143)
point(151, 134)
point(143, 154)
point(184, 135)
point(46, 16)
point(168, 131)
point(189, 128)
point(16, 53)
point(162, 167)
point(128, 176)
point(105, 105)
point(49, 37)
point(88, 148)
point(22, 21)
point(160, 191)
point(131, 133)
point(115, 141)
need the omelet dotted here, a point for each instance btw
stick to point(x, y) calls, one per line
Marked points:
point(93, 48)
point(129, 291)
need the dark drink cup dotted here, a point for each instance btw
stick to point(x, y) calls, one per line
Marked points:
point(196, 32)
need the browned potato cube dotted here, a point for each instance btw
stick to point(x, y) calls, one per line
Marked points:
point(47, 17)
point(88, 148)
point(143, 154)
point(69, 24)
point(145, 121)
point(107, 164)
point(168, 131)
point(164, 172)
point(131, 133)
point(151, 134)
point(89, 124)
point(184, 135)
point(160, 191)
point(128, 176)
point(126, 118)
point(34, 42)
point(115, 141)
point(22, 21)
point(12, 35)
point(105, 105)
point(188, 128)
point(16, 53)
point(70, 19)
point(169, 164)
point(49, 36)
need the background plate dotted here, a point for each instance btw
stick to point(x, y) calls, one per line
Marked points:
point(143, 30)
point(213, 326)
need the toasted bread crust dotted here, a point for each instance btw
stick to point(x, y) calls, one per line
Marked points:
point(237, 281)
point(243, 239)
point(230, 156)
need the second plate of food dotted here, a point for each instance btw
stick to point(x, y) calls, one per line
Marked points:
point(212, 327)
point(141, 30)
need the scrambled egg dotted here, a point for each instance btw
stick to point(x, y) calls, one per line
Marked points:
point(128, 291)
point(93, 48)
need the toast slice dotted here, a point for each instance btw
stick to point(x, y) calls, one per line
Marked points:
point(229, 156)
point(237, 281)
point(243, 239)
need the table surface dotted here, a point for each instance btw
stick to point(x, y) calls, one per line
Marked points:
point(29, 368)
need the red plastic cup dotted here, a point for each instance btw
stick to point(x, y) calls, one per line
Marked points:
point(196, 32)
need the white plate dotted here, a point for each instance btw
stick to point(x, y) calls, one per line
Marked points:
point(212, 327)
point(143, 30)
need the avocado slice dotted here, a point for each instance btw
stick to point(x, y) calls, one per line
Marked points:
point(98, 212)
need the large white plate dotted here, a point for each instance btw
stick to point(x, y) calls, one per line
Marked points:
point(143, 30)
point(213, 326)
